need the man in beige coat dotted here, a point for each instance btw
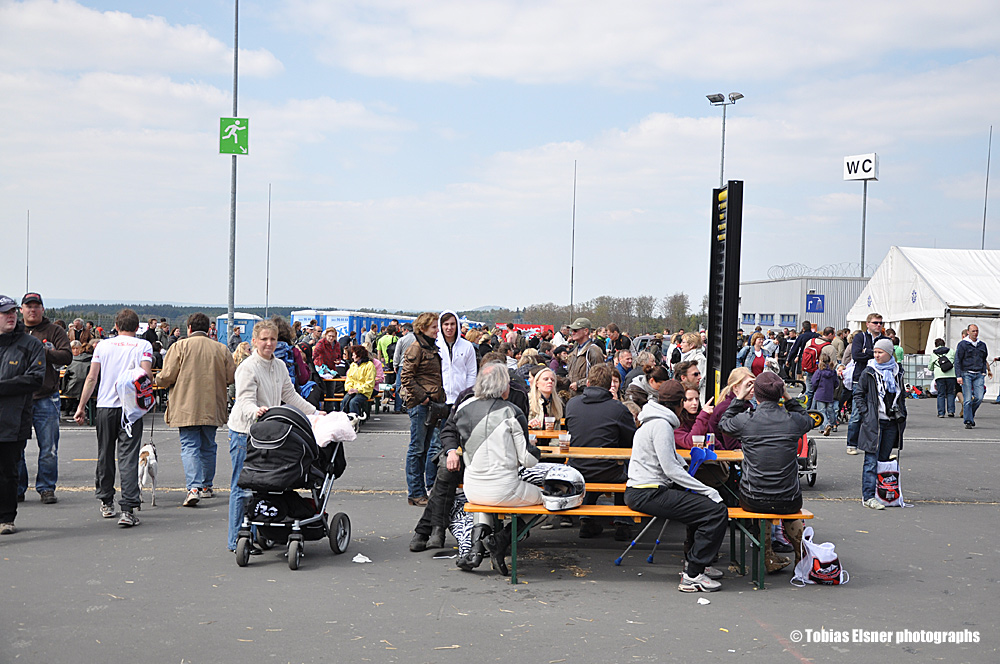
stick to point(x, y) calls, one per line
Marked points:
point(197, 370)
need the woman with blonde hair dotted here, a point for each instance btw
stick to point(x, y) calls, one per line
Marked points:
point(737, 377)
point(691, 350)
point(423, 384)
point(543, 399)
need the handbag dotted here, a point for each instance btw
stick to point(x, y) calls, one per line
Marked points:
point(819, 564)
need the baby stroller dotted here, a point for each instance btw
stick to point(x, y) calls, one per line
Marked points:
point(283, 456)
point(808, 456)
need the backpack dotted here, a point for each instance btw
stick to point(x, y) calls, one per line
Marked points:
point(284, 352)
point(944, 364)
point(810, 356)
point(390, 352)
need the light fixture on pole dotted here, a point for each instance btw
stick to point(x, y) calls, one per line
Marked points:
point(720, 100)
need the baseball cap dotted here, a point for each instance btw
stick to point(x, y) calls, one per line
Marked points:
point(32, 297)
point(560, 349)
point(6, 304)
point(581, 323)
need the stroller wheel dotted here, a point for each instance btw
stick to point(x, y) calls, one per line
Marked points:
point(339, 532)
point(243, 551)
point(294, 554)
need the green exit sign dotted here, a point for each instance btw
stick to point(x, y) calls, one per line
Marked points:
point(234, 135)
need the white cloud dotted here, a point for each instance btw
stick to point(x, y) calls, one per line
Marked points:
point(49, 35)
point(557, 41)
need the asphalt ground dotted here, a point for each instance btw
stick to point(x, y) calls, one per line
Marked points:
point(77, 588)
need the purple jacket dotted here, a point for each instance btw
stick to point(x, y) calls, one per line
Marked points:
point(825, 381)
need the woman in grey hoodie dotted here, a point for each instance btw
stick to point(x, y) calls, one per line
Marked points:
point(659, 485)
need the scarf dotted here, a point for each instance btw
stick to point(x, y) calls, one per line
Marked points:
point(886, 375)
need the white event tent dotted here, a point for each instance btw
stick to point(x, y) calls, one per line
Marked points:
point(925, 294)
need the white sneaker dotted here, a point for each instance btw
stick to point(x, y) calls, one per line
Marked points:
point(700, 583)
point(873, 503)
point(853, 450)
point(192, 498)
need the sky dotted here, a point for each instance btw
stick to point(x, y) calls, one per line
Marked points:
point(421, 155)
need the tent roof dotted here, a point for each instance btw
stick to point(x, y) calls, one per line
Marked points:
point(916, 282)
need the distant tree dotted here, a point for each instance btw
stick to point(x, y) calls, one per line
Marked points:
point(676, 311)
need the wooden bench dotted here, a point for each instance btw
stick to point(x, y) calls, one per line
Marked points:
point(738, 519)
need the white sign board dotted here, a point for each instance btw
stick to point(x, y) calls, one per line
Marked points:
point(861, 167)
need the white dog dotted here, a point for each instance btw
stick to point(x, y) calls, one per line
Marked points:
point(147, 469)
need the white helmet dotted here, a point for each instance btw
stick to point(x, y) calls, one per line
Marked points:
point(563, 488)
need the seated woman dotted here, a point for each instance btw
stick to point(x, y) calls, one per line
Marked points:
point(756, 357)
point(737, 376)
point(327, 350)
point(644, 388)
point(501, 466)
point(659, 485)
point(543, 400)
point(360, 382)
point(770, 435)
point(694, 420)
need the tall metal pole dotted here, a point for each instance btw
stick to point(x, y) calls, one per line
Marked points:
point(864, 214)
point(267, 263)
point(232, 187)
point(572, 250)
point(27, 250)
point(989, 152)
point(722, 162)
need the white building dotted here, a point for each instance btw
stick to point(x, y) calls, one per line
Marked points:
point(775, 304)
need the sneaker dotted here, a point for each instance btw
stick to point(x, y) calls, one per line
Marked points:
point(49, 498)
point(7, 529)
point(873, 503)
point(108, 510)
point(713, 573)
point(827, 430)
point(192, 498)
point(853, 450)
point(893, 455)
point(968, 425)
point(565, 522)
point(128, 519)
point(700, 583)
point(206, 492)
point(951, 414)
point(781, 547)
point(941, 416)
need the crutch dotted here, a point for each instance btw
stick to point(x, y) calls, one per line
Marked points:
point(618, 560)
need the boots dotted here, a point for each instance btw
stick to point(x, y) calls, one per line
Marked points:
point(498, 545)
point(772, 561)
point(793, 531)
point(436, 540)
point(474, 558)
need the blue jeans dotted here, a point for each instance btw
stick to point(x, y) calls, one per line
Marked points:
point(854, 423)
point(354, 403)
point(198, 451)
point(45, 417)
point(810, 390)
point(973, 389)
point(829, 410)
point(888, 435)
point(946, 389)
point(420, 467)
point(237, 496)
point(398, 405)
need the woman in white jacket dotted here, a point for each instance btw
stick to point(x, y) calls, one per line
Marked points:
point(659, 485)
point(458, 357)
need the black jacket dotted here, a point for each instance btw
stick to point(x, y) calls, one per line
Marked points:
point(863, 350)
point(22, 371)
point(58, 356)
point(594, 419)
point(770, 437)
point(866, 404)
point(799, 345)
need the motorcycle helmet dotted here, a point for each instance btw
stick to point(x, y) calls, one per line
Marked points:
point(563, 488)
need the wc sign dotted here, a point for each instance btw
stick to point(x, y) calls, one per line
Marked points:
point(861, 167)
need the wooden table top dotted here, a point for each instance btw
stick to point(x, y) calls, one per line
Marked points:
point(621, 453)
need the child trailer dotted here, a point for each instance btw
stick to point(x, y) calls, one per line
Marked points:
point(282, 456)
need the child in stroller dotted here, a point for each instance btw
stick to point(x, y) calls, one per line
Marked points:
point(283, 456)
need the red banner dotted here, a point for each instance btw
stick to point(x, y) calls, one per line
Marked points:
point(527, 330)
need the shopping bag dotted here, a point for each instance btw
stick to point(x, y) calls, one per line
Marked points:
point(887, 488)
point(819, 564)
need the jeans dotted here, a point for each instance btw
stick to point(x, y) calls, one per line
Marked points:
point(45, 416)
point(10, 453)
point(810, 390)
point(888, 435)
point(198, 452)
point(421, 469)
point(111, 439)
point(354, 403)
point(973, 389)
point(237, 497)
point(854, 424)
point(946, 389)
point(398, 404)
point(829, 410)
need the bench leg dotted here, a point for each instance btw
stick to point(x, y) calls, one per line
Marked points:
point(513, 549)
point(761, 558)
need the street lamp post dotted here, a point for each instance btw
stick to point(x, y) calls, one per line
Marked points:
point(720, 100)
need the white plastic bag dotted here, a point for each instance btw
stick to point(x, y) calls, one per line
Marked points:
point(887, 486)
point(135, 391)
point(819, 565)
point(335, 426)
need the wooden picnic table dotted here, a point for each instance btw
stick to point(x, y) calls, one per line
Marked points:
point(621, 453)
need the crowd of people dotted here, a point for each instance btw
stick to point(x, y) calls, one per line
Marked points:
point(473, 397)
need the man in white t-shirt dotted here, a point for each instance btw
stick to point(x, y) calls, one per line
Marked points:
point(112, 357)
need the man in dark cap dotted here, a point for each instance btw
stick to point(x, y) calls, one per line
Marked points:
point(45, 409)
point(770, 435)
point(22, 371)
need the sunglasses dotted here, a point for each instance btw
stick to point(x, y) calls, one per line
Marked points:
point(876, 322)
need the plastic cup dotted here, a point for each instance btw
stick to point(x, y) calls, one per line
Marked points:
point(550, 423)
point(698, 441)
point(564, 442)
